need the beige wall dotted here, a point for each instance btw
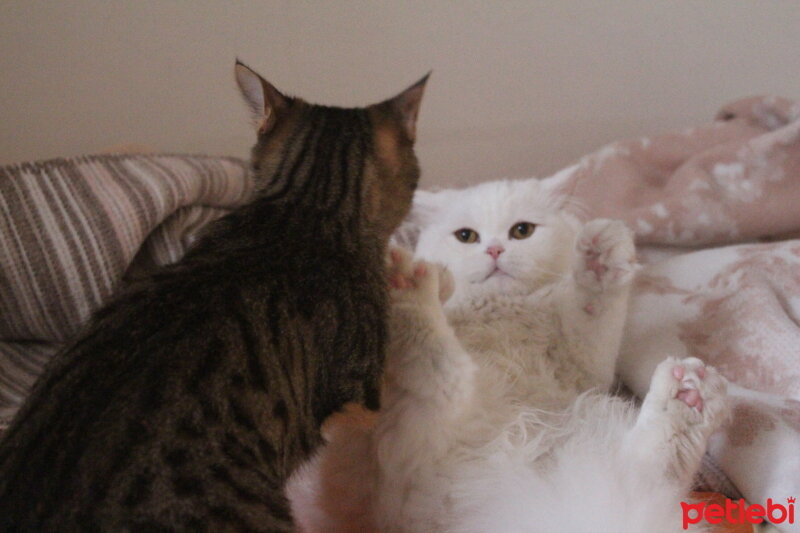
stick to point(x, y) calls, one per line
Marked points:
point(518, 88)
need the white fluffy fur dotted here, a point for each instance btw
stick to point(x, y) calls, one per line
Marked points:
point(496, 414)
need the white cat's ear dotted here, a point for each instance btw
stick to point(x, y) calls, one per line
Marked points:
point(266, 103)
point(424, 208)
point(406, 106)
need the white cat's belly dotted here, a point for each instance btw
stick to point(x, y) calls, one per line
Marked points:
point(523, 364)
point(512, 467)
point(551, 472)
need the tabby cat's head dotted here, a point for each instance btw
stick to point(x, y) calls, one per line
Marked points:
point(358, 163)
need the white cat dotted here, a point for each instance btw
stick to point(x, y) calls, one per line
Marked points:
point(496, 414)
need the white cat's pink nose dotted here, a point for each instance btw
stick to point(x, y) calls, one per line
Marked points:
point(495, 251)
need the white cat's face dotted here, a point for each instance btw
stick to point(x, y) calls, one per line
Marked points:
point(502, 236)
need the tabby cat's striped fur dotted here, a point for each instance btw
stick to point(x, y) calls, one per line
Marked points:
point(194, 395)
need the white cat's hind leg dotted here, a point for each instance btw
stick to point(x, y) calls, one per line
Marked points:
point(687, 402)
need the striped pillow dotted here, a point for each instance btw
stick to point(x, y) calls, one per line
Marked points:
point(72, 229)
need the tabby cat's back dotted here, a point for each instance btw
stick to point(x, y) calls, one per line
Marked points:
point(193, 396)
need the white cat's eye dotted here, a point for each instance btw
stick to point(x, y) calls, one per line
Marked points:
point(521, 230)
point(467, 235)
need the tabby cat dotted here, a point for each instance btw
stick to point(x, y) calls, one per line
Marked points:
point(194, 395)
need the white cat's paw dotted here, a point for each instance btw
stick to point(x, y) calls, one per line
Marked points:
point(605, 256)
point(409, 279)
point(691, 393)
point(686, 403)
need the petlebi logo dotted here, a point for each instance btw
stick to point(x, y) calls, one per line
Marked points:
point(738, 512)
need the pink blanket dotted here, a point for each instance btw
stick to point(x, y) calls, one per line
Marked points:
point(693, 197)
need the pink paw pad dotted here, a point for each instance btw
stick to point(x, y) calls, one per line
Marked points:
point(399, 281)
point(594, 264)
point(400, 278)
point(687, 392)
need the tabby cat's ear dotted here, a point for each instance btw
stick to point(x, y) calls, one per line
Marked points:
point(406, 105)
point(266, 103)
